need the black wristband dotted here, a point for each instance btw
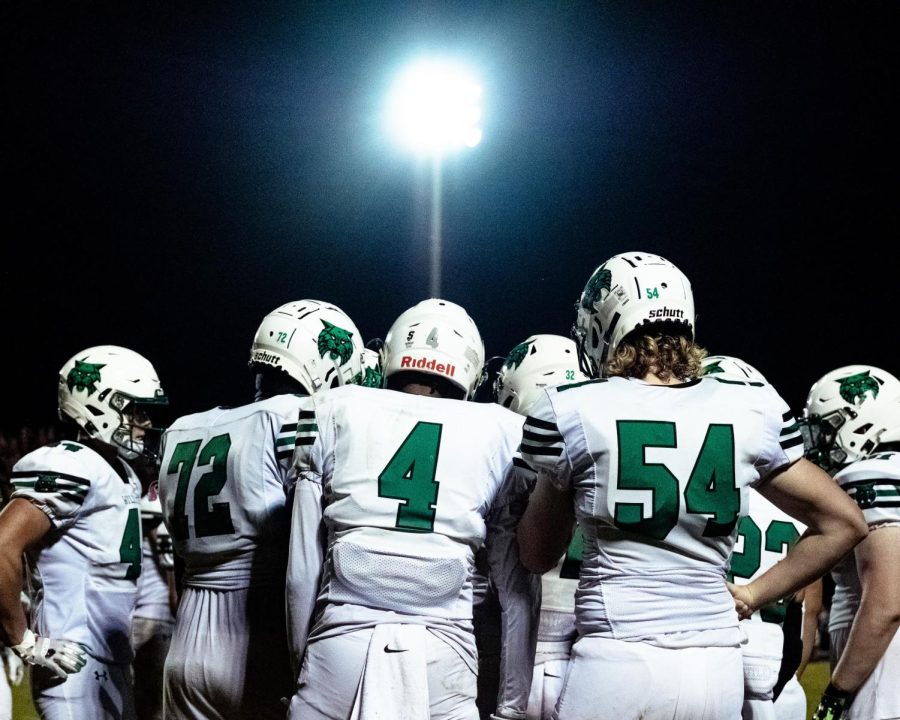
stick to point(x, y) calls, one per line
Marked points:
point(835, 692)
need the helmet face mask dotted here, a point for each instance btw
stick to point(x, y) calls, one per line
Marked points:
point(109, 392)
point(847, 411)
point(313, 342)
point(627, 292)
point(539, 362)
point(435, 337)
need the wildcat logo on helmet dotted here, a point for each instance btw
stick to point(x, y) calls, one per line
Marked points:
point(424, 364)
point(600, 281)
point(84, 376)
point(335, 341)
point(854, 387)
point(517, 355)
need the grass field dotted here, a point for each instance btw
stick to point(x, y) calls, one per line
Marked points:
point(814, 681)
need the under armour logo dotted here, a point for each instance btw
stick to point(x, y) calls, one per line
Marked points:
point(100, 675)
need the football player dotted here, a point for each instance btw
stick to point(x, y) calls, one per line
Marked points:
point(654, 462)
point(154, 610)
point(764, 536)
point(224, 484)
point(75, 512)
point(399, 486)
point(540, 362)
point(852, 417)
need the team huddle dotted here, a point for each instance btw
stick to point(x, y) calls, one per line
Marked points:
point(633, 529)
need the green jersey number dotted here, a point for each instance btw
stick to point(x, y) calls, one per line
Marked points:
point(409, 477)
point(215, 520)
point(130, 547)
point(779, 536)
point(710, 488)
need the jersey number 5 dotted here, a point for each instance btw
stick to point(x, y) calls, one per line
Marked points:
point(207, 521)
point(409, 477)
point(710, 488)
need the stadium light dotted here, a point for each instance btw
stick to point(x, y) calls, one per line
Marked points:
point(434, 109)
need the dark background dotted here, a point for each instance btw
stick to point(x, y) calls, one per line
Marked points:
point(176, 170)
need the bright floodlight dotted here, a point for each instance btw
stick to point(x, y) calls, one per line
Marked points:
point(434, 107)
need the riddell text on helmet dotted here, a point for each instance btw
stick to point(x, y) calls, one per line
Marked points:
point(422, 364)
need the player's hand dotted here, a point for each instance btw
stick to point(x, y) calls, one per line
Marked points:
point(833, 704)
point(743, 599)
point(61, 657)
point(15, 668)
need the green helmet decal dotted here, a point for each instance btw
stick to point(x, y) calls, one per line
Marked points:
point(854, 387)
point(336, 342)
point(84, 376)
point(517, 355)
point(368, 377)
point(601, 280)
point(713, 367)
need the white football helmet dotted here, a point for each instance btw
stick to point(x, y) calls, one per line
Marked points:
point(846, 412)
point(314, 342)
point(436, 337)
point(540, 362)
point(731, 368)
point(104, 390)
point(627, 292)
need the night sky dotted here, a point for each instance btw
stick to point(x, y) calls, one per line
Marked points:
point(174, 171)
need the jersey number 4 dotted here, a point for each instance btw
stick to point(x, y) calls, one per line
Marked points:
point(187, 457)
point(409, 477)
point(710, 488)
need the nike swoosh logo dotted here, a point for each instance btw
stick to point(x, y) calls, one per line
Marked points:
point(390, 650)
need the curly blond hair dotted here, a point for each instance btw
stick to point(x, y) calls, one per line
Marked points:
point(666, 356)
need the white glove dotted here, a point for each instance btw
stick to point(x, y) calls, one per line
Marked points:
point(15, 668)
point(61, 657)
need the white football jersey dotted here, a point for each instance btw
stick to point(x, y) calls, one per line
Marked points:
point(874, 483)
point(407, 482)
point(765, 535)
point(84, 577)
point(223, 486)
point(660, 475)
point(411, 487)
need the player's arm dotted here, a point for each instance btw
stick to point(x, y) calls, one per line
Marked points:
point(878, 616)
point(22, 525)
point(546, 527)
point(834, 526)
point(811, 597)
point(305, 560)
point(519, 596)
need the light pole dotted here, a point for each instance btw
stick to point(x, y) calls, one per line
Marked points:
point(434, 109)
